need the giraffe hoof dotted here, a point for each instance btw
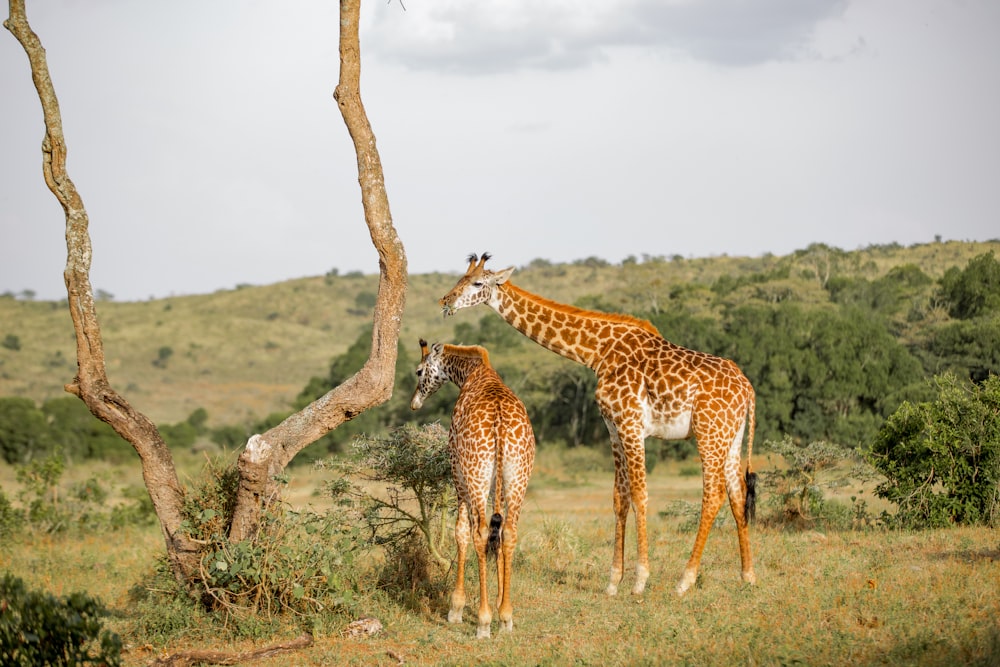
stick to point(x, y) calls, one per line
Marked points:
point(641, 575)
point(455, 616)
point(612, 589)
point(686, 582)
point(750, 578)
point(483, 632)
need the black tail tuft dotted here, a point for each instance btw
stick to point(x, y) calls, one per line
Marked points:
point(496, 536)
point(750, 509)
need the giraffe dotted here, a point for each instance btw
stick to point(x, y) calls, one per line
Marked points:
point(646, 386)
point(492, 448)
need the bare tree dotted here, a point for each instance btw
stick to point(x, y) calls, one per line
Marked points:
point(265, 455)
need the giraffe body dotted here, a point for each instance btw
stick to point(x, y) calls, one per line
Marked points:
point(492, 449)
point(646, 386)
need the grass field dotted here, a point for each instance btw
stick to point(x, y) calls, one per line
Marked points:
point(824, 597)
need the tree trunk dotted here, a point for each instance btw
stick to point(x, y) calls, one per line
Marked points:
point(91, 381)
point(267, 455)
point(264, 455)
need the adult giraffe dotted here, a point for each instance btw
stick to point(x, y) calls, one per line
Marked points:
point(646, 386)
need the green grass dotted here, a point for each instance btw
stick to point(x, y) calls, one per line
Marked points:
point(823, 597)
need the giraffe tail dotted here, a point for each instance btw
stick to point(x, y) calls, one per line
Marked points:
point(750, 508)
point(496, 536)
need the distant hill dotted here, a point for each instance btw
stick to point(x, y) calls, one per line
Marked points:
point(244, 353)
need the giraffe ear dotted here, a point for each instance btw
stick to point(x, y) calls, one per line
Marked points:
point(502, 276)
point(438, 348)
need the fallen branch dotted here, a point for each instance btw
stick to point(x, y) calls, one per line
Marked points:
point(185, 658)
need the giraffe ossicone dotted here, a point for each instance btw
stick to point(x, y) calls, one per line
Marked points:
point(646, 386)
point(491, 446)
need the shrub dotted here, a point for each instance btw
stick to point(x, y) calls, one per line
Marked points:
point(297, 562)
point(39, 629)
point(11, 342)
point(942, 458)
point(50, 507)
point(24, 433)
point(11, 519)
point(408, 516)
point(797, 492)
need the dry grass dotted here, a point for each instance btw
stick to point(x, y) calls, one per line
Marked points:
point(823, 597)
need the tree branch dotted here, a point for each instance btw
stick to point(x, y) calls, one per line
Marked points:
point(267, 455)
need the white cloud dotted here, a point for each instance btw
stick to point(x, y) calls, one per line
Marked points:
point(490, 36)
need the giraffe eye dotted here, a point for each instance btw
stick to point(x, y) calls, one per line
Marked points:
point(478, 283)
point(419, 372)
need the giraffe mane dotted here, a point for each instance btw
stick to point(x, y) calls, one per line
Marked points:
point(470, 351)
point(645, 325)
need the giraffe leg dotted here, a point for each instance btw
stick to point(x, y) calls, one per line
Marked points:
point(737, 488)
point(640, 499)
point(508, 545)
point(621, 508)
point(479, 537)
point(712, 497)
point(504, 605)
point(502, 592)
point(462, 541)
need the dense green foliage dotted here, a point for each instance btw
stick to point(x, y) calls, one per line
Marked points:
point(942, 458)
point(973, 291)
point(298, 562)
point(39, 629)
point(64, 424)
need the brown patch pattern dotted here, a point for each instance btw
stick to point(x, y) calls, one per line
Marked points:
point(492, 448)
point(646, 386)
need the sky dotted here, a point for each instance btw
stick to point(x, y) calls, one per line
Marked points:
point(209, 153)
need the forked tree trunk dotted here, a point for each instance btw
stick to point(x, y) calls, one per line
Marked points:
point(265, 455)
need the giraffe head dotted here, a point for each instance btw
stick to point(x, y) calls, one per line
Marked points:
point(478, 285)
point(430, 373)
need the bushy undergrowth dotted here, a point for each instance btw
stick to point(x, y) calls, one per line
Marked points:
point(297, 563)
point(399, 489)
point(37, 628)
point(46, 505)
point(797, 493)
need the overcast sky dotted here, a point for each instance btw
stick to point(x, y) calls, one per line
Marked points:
point(209, 153)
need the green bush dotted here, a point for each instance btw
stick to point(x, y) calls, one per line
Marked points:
point(942, 458)
point(407, 517)
point(796, 492)
point(24, 433)
point(297, 562)
point(51, 507)
point(412, 465)
point(39, 629)
point(11, 519)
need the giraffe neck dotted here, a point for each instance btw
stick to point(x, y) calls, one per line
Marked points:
point(460, 362)
point(574, 333)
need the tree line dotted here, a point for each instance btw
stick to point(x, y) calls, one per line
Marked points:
point(831, 369)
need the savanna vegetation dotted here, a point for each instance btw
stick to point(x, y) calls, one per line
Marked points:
point(878, 444)
point(878, 413)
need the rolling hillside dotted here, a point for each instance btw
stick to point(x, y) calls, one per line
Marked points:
point(246, 352)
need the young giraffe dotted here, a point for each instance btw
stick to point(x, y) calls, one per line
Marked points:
point(492, 448)
point(646, 386)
